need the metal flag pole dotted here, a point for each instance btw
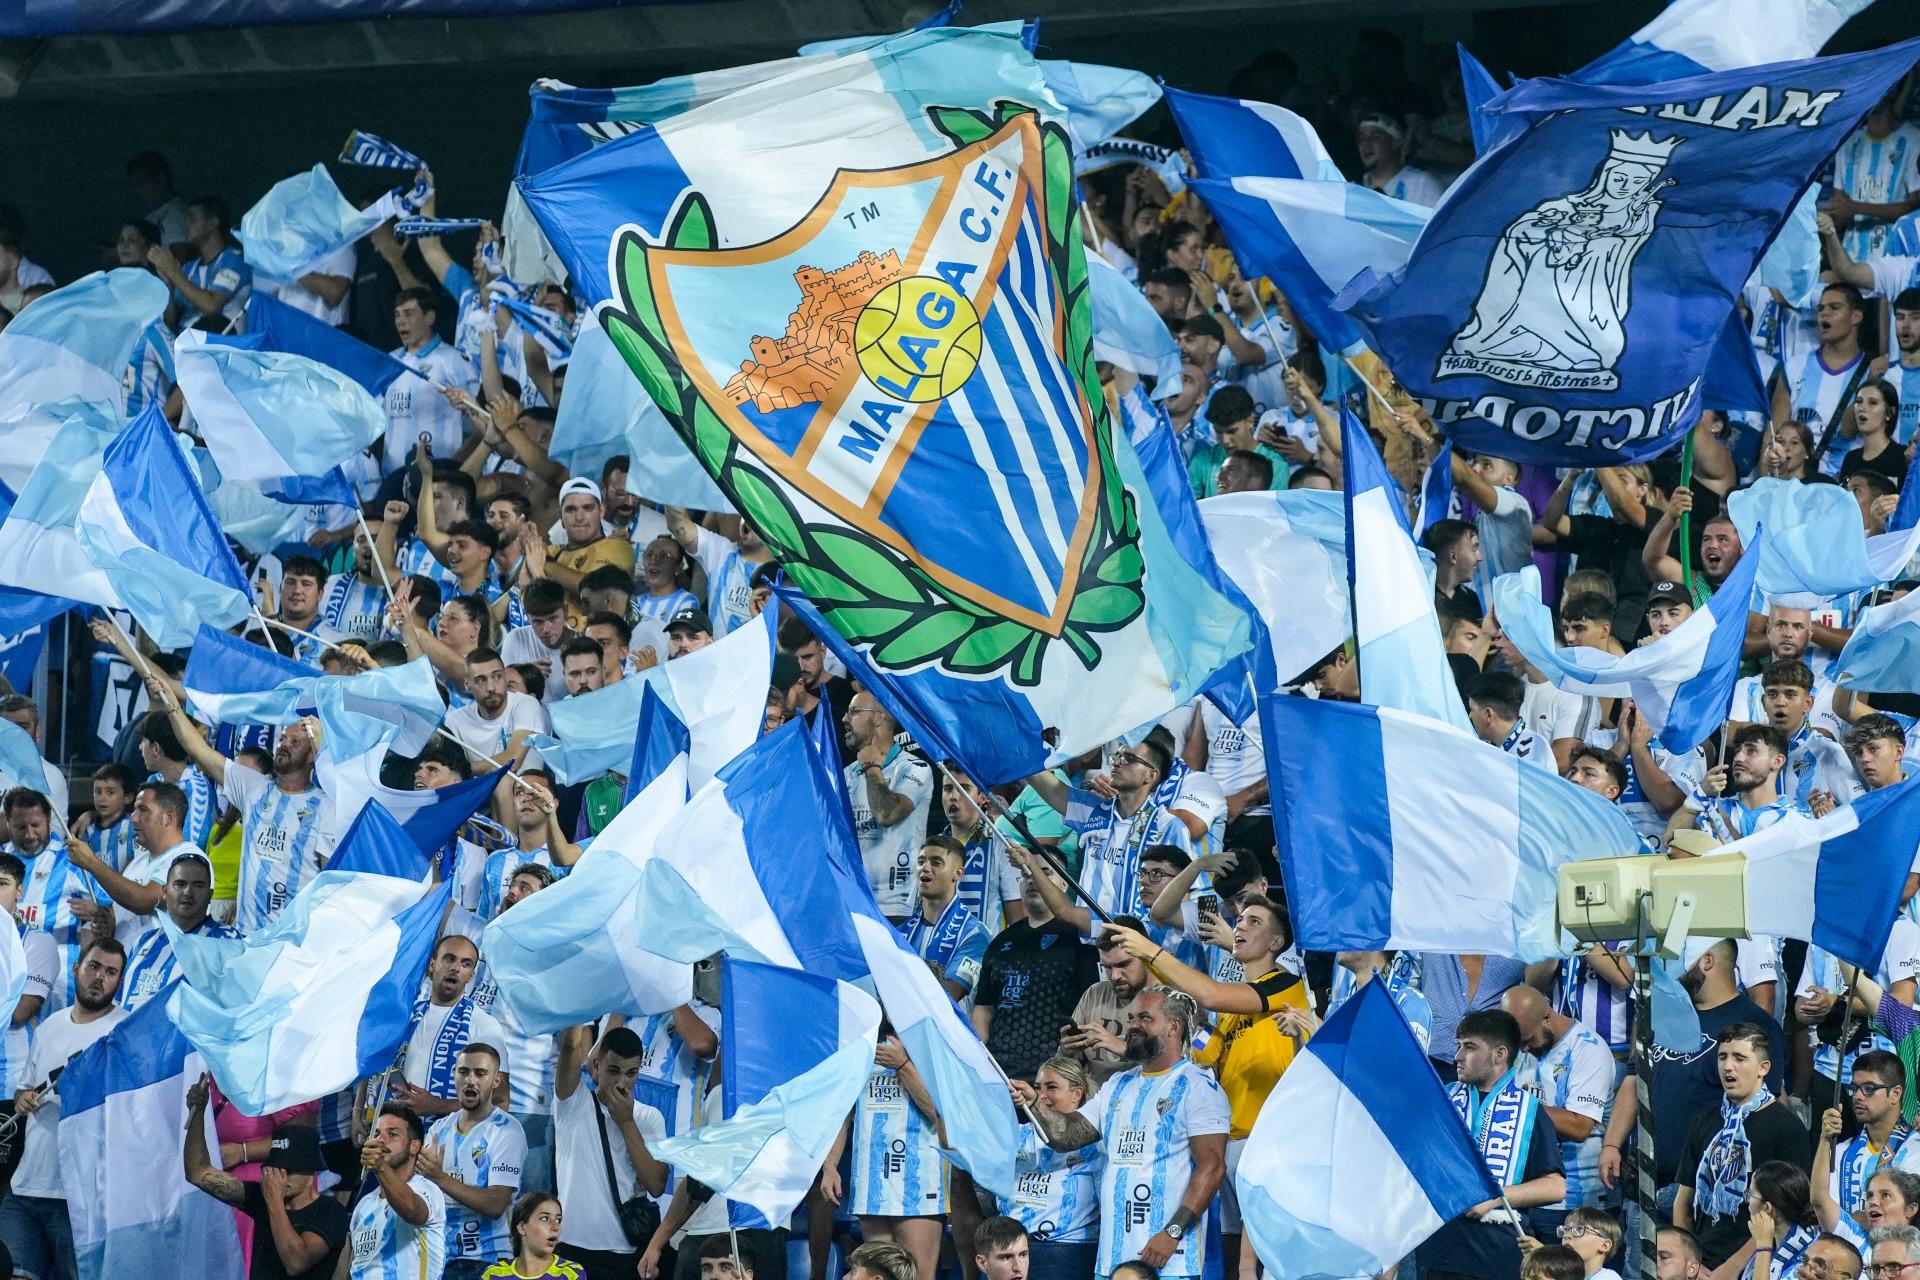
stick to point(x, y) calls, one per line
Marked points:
point(1643, 1168)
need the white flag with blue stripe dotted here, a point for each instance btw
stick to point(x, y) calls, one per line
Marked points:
point(146, 526)
point(1816, 546)
point(1398, 832)
point(272, 418)
point(1234, 136)
point(75, 343)
point(1403, 660)
point(39, 548)
point(1833, 881)
point(1681, 683)
point(1287, 553)
point(322, 996)
point(123, 1106)
point(231, 680)
point(798, 1050)
point(1357, 1157)
point(1691, 36)
point(304, 218)
point(719, 692)
point(1883, 654)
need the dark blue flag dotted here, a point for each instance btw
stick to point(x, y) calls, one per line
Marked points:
point(1563, 304)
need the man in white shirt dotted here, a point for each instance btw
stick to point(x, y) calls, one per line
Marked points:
point(891, 789)
point(444, 1022)
point(486, 725)
point(1493, 708)
point(1382, 144)
point(544, 636)
point(597, 1125)
point(416, 404)
point(475, 1157)
point(1504, 520)
point(321, 291)
point(33, 1219)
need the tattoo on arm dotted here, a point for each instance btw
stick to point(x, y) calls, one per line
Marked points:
point(1065, 1131)
point(223, 1186)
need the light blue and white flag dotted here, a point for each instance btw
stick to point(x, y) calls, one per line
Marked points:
point(1099, 101)
point(75, 343)
point(1816, 546)
point(145, 525)
point(39, 547)
point(1127, 331)
point(386, 709)
point(272, 418)
point(1062, 603)
point(1403, 659)
point(1691, 36)
point(572, 952)
point(429, 817)
point(545, 327)
point(1399, 832)
point(1883, 654)
point(322, 996)
point(719, 692)
point(1682, 682)
point(304, 218)
point(1829, 880)
point(13, 962)
point(1235, 137)
point(798, 1050)
point(272, 325)
point(1312, 238)
point(1287, 553)
point(1393, 1163)
point(133, 1210)
point(231, 680)
point(606, 411)
point(20, 762)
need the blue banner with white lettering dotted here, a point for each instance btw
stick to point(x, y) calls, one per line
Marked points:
point(1563, 302)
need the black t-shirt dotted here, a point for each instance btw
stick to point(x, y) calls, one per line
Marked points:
point(1892, 463)
point(1485, 1249)
point(325, 1217)
point(1031, 978)
point(1684, 1085)
point(1773, 1133)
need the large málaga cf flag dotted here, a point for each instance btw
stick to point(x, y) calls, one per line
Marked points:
point(1561, 305)
point(859, 293)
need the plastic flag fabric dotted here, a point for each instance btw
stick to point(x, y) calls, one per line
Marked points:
point(304, 218)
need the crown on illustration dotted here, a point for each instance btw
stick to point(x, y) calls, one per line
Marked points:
point(1640, 148)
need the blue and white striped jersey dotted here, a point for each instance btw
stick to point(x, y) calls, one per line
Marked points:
point(1056, 1194)
point(387, 1247)
point(492, 1154)
point(1146, 1123)
point(287, 839)
point(898, 1171)
point(1577, 1075)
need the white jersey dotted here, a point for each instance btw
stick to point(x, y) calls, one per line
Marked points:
point(1056, 1194)
point(1110, 846)
point(1900, 962)
point(1577, 1075)
point(492, 1154)
point(484, 737)
point(665, 1057)
point(1554, 713)
point(386, 1246)
point(1875, 171)
point(1146, 1123)
point(898, 1171)
point(530, 1082)
point(1235, 758)
point(416, 407)
point(43, 963)
point(888, 852)
point(288, 837)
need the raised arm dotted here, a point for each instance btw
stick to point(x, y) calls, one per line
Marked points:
point(193, 1149)
point(209, 761)
point(1051, 789)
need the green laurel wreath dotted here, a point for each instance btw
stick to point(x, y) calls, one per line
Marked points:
point(868, 592)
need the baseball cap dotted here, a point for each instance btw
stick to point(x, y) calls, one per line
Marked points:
point(1229, 404)
point(1668, 590)
point(580, 484)
point(1205, 327)
point(295, 1148)
point(690, 620)
point(1384, 123)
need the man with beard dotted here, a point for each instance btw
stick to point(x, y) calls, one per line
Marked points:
point(1092, 1034)
point(159, 818)
point(1570, 1069)
point(355, 601)
point(1685, 1083)
point(297, 1232)
point(475, 1157)
point(33, 1220)
point(186, 897)
point(1163, 1127)
point(539, 842)
point(486, 725)
point(400, 1228)
point(443, 1023)
point(287, 819)
point(1742, 796)
point(889, 788)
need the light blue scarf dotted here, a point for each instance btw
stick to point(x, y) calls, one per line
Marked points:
point(1721, 1184)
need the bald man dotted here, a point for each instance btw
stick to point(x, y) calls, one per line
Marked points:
point(1571, 1071)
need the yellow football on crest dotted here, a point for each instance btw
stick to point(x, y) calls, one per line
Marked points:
point(918, 339)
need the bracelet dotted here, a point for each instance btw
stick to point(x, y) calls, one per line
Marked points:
point(1156, 957)
point(1763, 1248)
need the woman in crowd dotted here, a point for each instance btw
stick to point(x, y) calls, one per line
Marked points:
point(1057, 1193)
point(535, 1228)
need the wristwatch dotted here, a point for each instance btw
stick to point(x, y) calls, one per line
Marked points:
point(1174, 1231)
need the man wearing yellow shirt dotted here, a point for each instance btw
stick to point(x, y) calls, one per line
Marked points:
point(1263, 1022)
point(586, 548)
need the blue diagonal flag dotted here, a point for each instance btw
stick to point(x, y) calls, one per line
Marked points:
point(40, 549)
point(1286, 553)
point(1829, 880)
point(231, 680)
point(1682, 682)
point(1232, 137)
point(1403, 660)
point(76, 343)
point(660, 736)
point(1363, 1095)
point(1564, 302)
point(272, 325)
point(272, 418)
point(1690, 36)
point(145, 524)
point(20, 762)
point(1480, 88)
point(304, 218)
point(1127, 331)
point(1397, 831)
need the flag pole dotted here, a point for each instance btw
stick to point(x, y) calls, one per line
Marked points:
point(379, 565)
point(1686, 519)
point(1033, 846)
point(1643, 1166)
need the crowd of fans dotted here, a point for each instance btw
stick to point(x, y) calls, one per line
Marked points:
point(1140, 1051)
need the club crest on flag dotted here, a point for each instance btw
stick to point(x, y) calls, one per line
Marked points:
point(1552, 310)
point(914, 345)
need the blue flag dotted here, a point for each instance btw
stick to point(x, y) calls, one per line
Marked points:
point(272, 325)
point(1480, 88)
point(1562, 306)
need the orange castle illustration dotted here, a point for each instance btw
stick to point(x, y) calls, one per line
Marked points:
point(817, 348)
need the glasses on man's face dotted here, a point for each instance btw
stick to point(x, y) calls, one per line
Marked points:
point(1156, 874)
point(1890, 1270)
point(1573, 1231)
point(1127, 757)
point(1867, 1091)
